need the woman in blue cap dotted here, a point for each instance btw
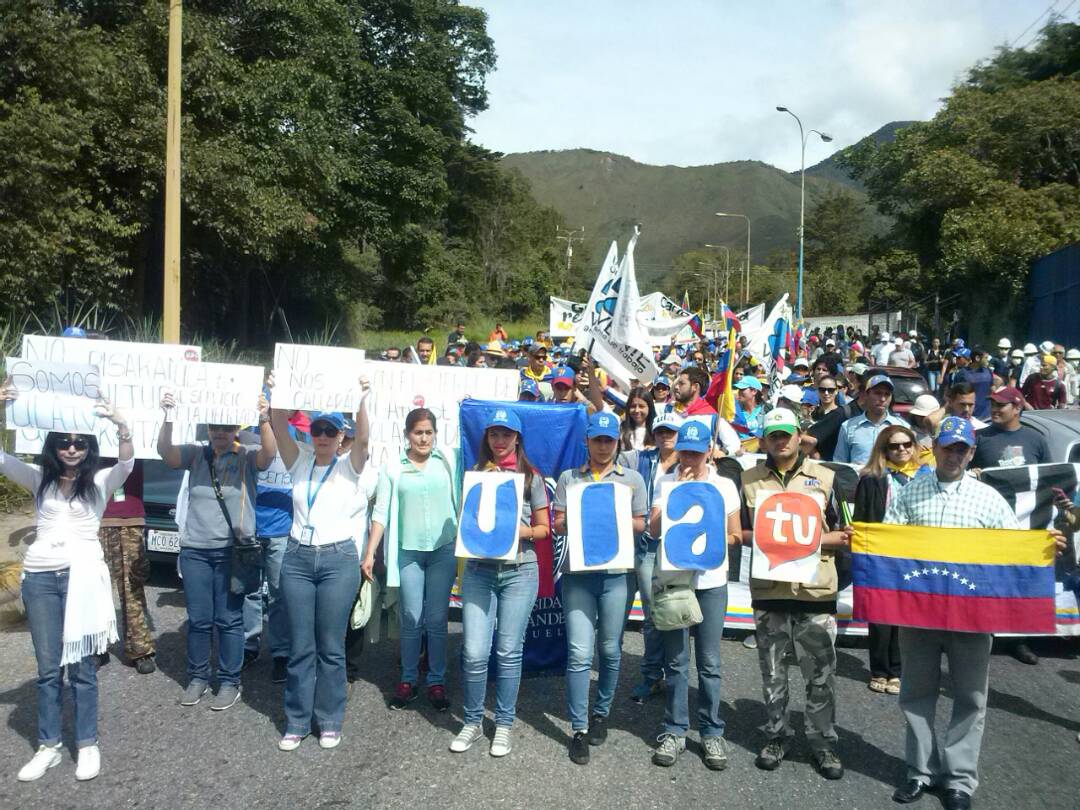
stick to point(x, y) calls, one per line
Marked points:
point(320, 571)
point(710, 588)
point(749, 411)
point(499, 596)
point(594, 602)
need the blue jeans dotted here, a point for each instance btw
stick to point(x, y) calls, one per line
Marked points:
point(319, 584)
point(210, 604)
point(652, 663)
point(426, 580)
point(495, 599)
point(44, 594)
point(277, 630)
point(713, 602)
point(594, 605)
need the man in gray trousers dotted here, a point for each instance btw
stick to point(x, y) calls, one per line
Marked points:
point(949, 498)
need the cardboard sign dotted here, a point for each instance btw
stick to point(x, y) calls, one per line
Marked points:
point(599, 527)
point(693, 527)
point(217, 394)
point(397, 388)
point(787, 536)
point(54, 396)
point(133, 376)
point(491, 504)
point(317, 378)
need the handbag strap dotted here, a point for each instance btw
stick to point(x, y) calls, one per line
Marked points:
point(208, 453)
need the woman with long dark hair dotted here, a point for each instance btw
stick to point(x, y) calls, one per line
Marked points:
point(499, 596)
point(636, 430)
point(416, 503)
point(65, 585)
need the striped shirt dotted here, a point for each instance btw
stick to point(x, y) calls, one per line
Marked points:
point(967, 503)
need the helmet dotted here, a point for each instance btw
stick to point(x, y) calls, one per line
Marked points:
point(1004, 343)
point(1046, 347)
point(1030, 348)
point(1018, 354)
point(1072, 354)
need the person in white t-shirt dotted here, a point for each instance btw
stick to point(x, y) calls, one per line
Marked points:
point(320, 572)
point(65, 583)
point(710, 587)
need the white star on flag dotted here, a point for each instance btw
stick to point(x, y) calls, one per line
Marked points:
point(972, 586)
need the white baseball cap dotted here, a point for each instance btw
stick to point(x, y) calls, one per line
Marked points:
point(924, 405)
point(792, 393)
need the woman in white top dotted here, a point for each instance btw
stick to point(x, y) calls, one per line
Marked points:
point(320, 572)
point(65, 584)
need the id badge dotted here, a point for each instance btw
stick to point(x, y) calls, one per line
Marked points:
point(307, 536)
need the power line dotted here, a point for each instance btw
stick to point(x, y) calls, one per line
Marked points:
point(1061, 13)
point(1034, 22)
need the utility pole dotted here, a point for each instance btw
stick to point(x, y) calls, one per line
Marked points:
point(571, 236)
point(170, 313)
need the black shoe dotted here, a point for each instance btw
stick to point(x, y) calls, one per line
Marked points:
point(957, 800)
point(579, 748)
point(772, 755)
point(250, 657)
point(145, 665)
point(911, 791)
point(1024, 654)
point(828, 764)
point(597, 730)
point(279, 671)
point(102, 659)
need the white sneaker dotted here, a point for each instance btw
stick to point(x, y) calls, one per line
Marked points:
point(466, 737)
point(500, 743)
point(89, 763)
point(47, 756)
point(290, 742)
point(330, 739)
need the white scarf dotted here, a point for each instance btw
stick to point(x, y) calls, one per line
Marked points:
point(89, 616)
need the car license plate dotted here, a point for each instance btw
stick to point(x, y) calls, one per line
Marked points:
point(158, 540)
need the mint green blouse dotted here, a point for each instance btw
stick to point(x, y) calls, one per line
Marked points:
point(427, 519)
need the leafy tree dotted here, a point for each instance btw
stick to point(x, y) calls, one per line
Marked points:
point(834, 267)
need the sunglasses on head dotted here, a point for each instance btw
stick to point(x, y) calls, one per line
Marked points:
point(321, 429)
point(899, 445)
point(78, 444)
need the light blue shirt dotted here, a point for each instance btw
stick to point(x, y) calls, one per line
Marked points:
point(857, 437)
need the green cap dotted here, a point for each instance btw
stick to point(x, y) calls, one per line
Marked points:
point(780, 419)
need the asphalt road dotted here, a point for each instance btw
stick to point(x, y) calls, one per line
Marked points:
point(157, 754)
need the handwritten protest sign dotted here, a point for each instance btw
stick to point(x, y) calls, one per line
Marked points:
point(53, 396)
point(693, 526)
point(317, 378)
point(491, 505)
point(564, 316)
point(133, 376)
point(787, 536)
point(217, 394)
point(397, 388)
point(599, 527)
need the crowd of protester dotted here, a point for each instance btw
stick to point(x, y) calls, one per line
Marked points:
point(298, 552)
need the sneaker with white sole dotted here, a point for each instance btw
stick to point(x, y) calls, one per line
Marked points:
point(89, 765)
point(290, 742)
point(667, 752)
point(330, 739)
point(466, 737)
point(500, 743)
point(47, 756)
point(194, 692)
point(226, 697)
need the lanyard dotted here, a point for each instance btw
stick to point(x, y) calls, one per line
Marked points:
point(311, 477)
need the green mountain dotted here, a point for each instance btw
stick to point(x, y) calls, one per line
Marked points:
point(830, 168)
point(607, 193)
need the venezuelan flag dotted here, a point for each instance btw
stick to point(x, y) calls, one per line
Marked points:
point(967, 580)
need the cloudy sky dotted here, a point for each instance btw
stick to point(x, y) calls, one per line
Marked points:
point(691, 82)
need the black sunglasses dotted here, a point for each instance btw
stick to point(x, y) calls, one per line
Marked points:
point(329, 431)
point(899, 445)
point(78, 444)
point(827, 390)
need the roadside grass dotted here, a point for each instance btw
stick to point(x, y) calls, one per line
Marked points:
point(379, 339)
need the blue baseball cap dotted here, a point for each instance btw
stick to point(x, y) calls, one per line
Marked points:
point(504, 418)
point(529, 387)
point(748, 381)
point(661, 379)
point(563, 375)
point(603, 424)
point(879, 379)
point(810, 397)
point(693, 435)
point(963, 352)
point(955, 429)
point(527, 341)
point(330, 417)
point(667, 421)
point(74, 332)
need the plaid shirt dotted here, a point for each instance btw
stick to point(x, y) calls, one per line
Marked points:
point(967, 503)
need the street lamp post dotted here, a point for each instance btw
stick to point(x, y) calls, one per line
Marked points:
point(571, 236)
point(746, 300)
point(715, 286)
point(803, 136)
point(727, 269)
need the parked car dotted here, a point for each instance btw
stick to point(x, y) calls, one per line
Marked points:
point(1061, 429)
point(908, 384)
point(161, 485)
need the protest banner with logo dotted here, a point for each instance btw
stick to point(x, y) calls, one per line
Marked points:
point(217, 394)
point(599, 527)
point(787, 536)
point(563, 317)
point(491, 504)
point(317, 378)
point(133, 377)
point(693, 526)
point(397, 388)
point(54, 396)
